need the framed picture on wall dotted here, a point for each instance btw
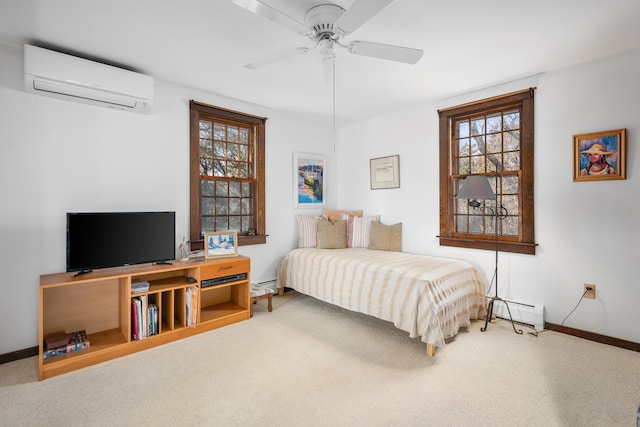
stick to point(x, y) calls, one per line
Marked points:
point(309, 171)
point(599, 155)
point(385, 172)
point(220, 244)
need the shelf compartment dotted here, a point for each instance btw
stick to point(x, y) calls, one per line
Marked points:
point(219, 311)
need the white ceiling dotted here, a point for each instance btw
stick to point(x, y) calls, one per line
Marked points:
point(468, 44)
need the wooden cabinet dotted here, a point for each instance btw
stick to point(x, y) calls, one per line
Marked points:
point(100, 303)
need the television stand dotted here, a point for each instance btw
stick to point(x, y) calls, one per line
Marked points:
point(100, 302)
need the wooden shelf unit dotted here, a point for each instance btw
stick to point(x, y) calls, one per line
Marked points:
point(100, 303)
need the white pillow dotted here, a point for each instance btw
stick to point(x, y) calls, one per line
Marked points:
point(358, 230)
point(307, 231)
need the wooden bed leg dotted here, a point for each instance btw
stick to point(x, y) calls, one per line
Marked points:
point(431, 350)
point(281, 291)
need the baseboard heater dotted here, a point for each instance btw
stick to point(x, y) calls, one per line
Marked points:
point(522, 313)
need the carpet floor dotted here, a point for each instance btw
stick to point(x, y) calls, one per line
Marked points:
point(308, 363)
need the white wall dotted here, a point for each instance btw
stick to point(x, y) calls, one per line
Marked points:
point(58, 156)
point(586, 231)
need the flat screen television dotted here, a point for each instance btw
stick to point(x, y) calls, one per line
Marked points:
point(111, 239)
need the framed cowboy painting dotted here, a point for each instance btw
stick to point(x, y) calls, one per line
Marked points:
point(599, 155)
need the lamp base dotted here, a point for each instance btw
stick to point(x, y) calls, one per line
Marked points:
point(490, 314)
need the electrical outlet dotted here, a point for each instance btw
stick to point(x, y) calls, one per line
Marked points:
point(590, 290)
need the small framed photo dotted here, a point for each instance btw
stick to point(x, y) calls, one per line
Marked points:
point(220, 244)
point(599, 155)
point(309, 171)
point(385, 172)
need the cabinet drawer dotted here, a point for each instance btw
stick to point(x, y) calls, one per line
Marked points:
point(224, 268)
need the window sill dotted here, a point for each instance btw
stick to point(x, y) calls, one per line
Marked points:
point(514, 247)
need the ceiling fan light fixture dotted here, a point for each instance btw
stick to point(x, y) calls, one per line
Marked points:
point(323, 19)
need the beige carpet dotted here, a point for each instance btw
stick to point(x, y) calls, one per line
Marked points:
point(309, 363)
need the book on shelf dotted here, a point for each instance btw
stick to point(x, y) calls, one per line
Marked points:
point(77, 341)
point(192, 293)
point(56, 339)
point(144, 318)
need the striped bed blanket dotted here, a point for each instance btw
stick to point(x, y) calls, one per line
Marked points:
point(428, 297)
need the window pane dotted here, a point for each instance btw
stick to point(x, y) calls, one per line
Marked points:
point(235, 223)
point(512, 141)
point(463, 147)
point(222, 223)
point(461, 224)
point(510, 226)
point(219, 132)
point(206, 187)
point(246, 189)
point(510, 184)
point(512, 120)
point(478, 164)
point(205, 129)
point(234, 206)
point(219, 168)
point(244, 136)
point(222, 206)
point(232, 169)
point(244, 152)
point(477, 145)
point(494, 144)
point(511, 161)
point(233, 152)
point(477, 126)
point(462, 129)
point(494, 123)
point(232, 134)
point(243, 170)
point(206, 167)
point(246, 206)
point(476, 224)
point(234, 188)
point(207, 225)
point(206, 206)
point(205, 148)
point(222, 188)
point(246, 223)
point(463, 165)
point(219, 150)
point(511, 204)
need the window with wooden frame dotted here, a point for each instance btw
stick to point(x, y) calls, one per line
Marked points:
point(494, 138)
point(227, 172)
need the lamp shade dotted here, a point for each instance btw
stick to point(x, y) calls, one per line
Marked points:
point(476, 187)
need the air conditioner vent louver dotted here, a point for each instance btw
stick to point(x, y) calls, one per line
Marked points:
point(68, 77)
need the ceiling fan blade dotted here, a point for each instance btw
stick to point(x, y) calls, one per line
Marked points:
point(386, 51)
point(359, 13)
point(259, 8)
point(277, 58)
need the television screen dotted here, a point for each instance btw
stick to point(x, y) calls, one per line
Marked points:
point(111, 239)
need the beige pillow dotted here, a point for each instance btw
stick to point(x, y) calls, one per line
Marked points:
point(385, 237)
point(331, 235)
point(334, 215)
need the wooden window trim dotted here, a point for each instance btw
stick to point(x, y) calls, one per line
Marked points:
point(526, 242)
point(196, 242)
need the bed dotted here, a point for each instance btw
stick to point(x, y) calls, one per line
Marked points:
point(428, 297)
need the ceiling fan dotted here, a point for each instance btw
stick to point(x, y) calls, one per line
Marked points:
point(326, 25)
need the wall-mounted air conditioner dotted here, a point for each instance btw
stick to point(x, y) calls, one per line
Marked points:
point(63, 76)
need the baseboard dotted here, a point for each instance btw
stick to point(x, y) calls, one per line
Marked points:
point(591, 336)
point(522, 313)
point(17, 355)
